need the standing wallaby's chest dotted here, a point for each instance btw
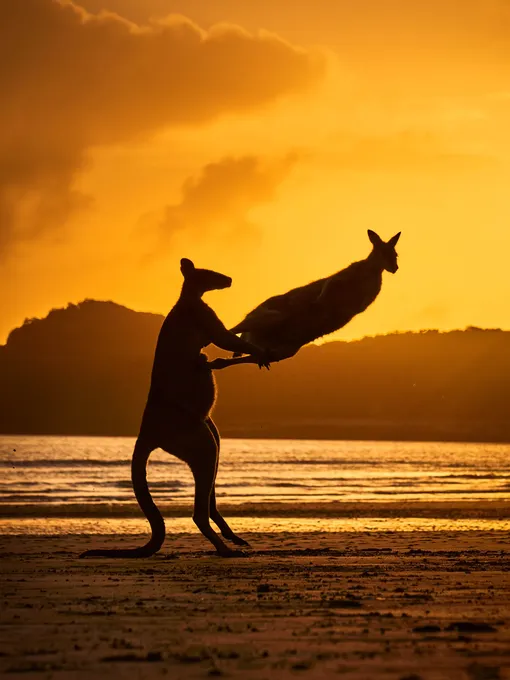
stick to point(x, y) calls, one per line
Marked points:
point(180, 374)
point(186, 327)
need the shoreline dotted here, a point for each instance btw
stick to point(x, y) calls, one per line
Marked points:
point(311, 434)
point(308, 518)
point(138, 529)
point(496, 509)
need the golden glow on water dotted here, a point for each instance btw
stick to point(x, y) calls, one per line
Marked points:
point(89, 472)
point(127, 527)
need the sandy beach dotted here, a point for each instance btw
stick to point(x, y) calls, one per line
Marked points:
point(403, 605)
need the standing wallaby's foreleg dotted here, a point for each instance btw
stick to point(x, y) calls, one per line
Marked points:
point(139, 478)
point(214, 513)
point(274, 356)
point(218, 364)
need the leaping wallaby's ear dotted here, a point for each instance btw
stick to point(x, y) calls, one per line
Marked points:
point(375, 239)
point(187, 267)
point(394, 240)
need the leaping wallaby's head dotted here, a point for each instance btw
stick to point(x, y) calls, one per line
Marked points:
point(385, 252)
point(203, 280)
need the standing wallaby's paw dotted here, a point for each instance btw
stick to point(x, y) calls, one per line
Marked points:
point(263, 358)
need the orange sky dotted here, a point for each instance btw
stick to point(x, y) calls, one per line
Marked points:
point(260, 139)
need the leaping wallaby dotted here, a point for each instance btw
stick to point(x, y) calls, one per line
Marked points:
point(177, 414)
point(284, 323)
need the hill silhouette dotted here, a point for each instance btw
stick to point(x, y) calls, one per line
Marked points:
point(85, 370)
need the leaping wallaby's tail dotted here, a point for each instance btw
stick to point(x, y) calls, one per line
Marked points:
point(139, 478)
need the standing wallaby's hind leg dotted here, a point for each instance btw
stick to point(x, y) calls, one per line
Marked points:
point(214, 513)
point(198, 448)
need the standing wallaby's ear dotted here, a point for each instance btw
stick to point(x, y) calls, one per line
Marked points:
point(187, 267)
point(394, 240)
point(375, 239)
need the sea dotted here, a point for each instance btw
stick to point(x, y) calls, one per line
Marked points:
point(51, 485)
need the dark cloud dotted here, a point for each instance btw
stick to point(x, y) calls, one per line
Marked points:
point(72, 81)
point(369, 30)
point(222, 195)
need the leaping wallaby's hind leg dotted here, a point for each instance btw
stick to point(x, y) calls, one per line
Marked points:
point(199, 449)
point(214, 513)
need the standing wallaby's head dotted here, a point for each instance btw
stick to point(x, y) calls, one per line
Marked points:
point(385, 252)
point(203, 280)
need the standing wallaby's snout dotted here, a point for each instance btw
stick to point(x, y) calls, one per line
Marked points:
point(203, 280)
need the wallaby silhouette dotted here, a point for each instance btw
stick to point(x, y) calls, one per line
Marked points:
point(177, 414)
point(284, 323)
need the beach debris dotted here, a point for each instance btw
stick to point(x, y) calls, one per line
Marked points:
point(150, 656)
point(471, 627)
point(344, 603)
point(427, 629)
point(263, 587)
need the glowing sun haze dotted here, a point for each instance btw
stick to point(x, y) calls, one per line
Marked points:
point(261, 139)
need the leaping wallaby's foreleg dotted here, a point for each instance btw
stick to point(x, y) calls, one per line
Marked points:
point(139, 478)
point(214, 513)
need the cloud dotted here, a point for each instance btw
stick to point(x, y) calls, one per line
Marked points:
point(222, 195)
point(72, 81)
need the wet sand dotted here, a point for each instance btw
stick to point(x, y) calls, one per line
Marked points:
point(403, 605)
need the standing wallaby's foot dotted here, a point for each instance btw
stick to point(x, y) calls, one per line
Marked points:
point(222, 525)
point(233, 553)
point(214, 513)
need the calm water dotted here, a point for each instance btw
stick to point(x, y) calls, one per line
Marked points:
point(88, 471)
point(91, 473)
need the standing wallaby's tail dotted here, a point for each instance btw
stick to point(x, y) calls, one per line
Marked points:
point(139, 478)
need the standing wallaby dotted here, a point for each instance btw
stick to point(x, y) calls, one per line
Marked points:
point(284, 323)
point(177, 414)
